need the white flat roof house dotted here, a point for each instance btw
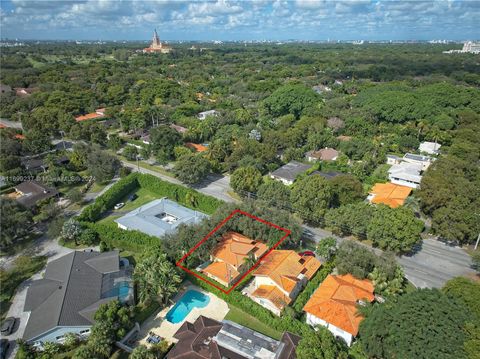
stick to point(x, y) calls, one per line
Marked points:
point(425, 161)
point(431, 148)
point(203, 115)
point(406, 174)
point(159, 217)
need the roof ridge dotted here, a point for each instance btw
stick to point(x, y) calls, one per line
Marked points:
point(66, 286)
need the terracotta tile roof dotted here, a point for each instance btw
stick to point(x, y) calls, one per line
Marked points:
point(197, 147)
point(230, 254)
point(393, 195)
point(99, 113)
point(285, 266)
point(335, 301)
point(88, 116)
point(222, 271)
point(19, 137)
point(234, 248)
point(273, 294)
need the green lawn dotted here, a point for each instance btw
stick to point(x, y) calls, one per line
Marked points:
point(97, 187)
point(238, 316)
point(144, 196)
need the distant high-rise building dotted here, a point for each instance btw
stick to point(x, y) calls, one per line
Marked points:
point(157, 45)
point(468, 47)
point(472, 47)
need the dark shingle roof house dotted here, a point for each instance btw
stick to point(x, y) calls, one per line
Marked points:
point(327, 175)
point(289, 172)
point(73, 288)
point(31, 192)
point(159, 217)
point(208, 338)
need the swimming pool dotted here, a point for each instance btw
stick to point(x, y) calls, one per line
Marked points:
point(191, 299)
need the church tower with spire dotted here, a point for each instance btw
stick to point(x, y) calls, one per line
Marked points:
point(157, 46)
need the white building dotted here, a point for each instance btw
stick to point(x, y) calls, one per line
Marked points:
point(393, 160)
point(406, 174)
point(424, 161)
point(203, 115)
point(432, 148)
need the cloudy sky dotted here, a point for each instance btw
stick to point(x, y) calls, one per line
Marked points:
point(240, 20)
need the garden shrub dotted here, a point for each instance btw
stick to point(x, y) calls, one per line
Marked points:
point(180, 194)
point(114, 237)
point(111, 197)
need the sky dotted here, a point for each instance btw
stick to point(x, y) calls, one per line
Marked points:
point(240, 20)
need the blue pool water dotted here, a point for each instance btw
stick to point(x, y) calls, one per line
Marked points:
point(191, 299)
point(123, 289)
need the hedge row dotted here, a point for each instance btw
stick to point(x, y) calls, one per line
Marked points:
point(180, 194)
point(183, 195)
point(111, 197)
point(237, 299)
point(312, 285)
point(115, 237)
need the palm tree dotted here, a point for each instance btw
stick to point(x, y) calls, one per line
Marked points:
point(422, 125)
point(157, 278)
point(249, 261)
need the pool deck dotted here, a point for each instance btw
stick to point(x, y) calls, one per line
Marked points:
point(216, 309)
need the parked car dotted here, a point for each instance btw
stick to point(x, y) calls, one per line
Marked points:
point(307, 254)
point(132, 197)
point(8, 325)
point(153, 338)
point(119, 205)
point(4, 345)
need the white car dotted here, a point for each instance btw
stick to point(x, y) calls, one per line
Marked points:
point(119, 205)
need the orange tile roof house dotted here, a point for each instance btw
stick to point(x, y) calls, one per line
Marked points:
point(334, 305)
point(280, 277)
point(99, 113)
point(393, 195)
point(229, 257)
point(196, 147)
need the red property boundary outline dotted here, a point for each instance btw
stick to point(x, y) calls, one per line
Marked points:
point(220, 225)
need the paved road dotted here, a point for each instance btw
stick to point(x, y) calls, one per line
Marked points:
point(214, 185)
point(433, 265)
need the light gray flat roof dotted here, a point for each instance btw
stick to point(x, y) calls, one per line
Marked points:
point(244, 341)
point(151, 218)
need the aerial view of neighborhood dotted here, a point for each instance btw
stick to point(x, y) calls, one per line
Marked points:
point(223, 179)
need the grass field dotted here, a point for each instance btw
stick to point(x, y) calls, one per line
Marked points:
point(238, 316)
point(144, 196)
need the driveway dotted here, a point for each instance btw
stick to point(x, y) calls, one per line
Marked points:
point(214, 185)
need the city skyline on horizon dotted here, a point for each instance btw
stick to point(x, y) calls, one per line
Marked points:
point(222, 20)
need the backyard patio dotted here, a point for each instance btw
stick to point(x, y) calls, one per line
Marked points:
point(158, 324)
